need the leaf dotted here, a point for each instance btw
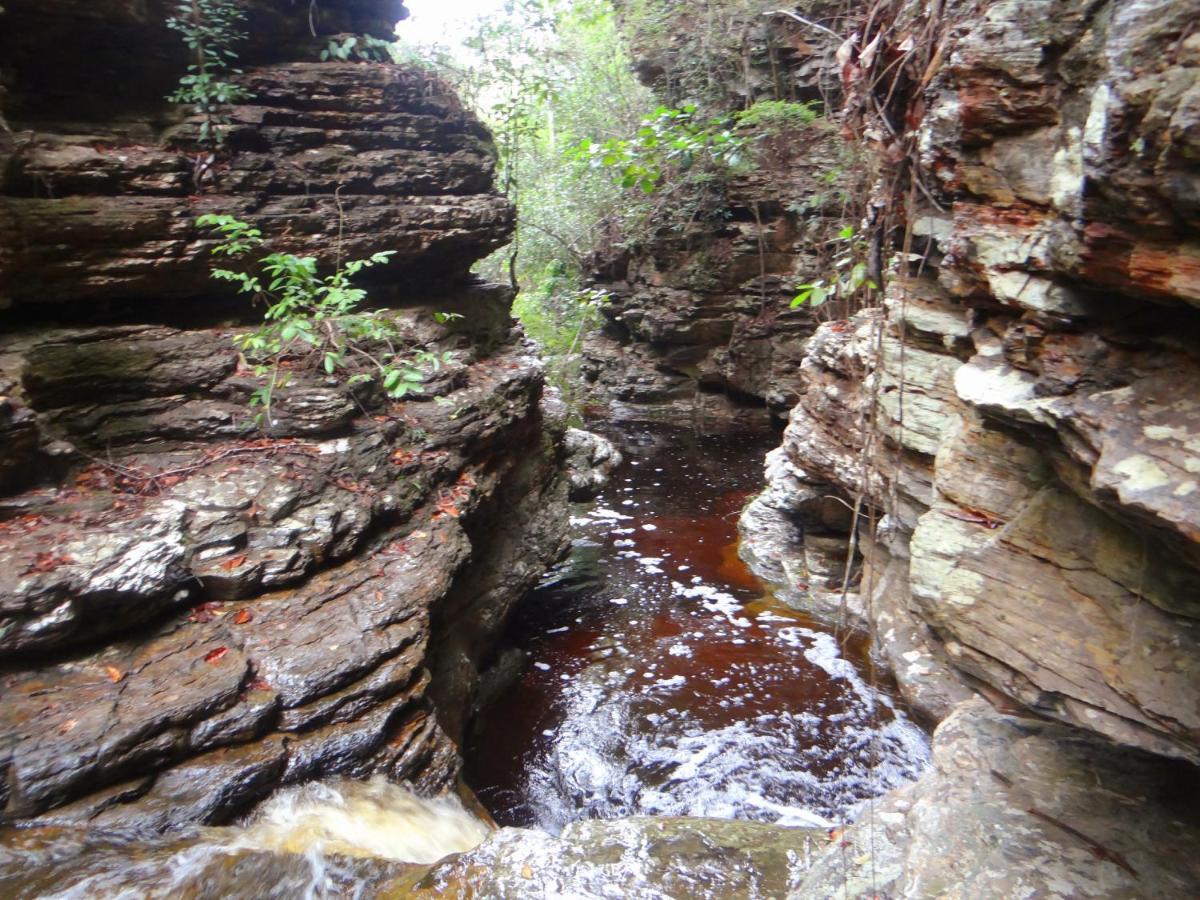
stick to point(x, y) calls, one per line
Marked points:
point(234, 562)
point(212, 657)
point(974, 517)
point(114, 674)
point(244, 617)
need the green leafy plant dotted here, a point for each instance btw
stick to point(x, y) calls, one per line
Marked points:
point(778, 116)
point(361, 47)
point(849, 274)
point(211, 29)
point(670, 141)
point(315, 319)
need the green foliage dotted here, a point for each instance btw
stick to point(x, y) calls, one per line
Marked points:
point(774, 117)
point(210, 29)
point(671, 141)
point(847, 278)
point(360, 47)
point(315, 319)
point(557, 316)
point(544, 75)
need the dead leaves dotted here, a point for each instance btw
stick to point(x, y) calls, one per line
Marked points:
point(244, 617)
point(48, 561)
point(975, 517)
point(212, 657)
point(446, 506)
point(453, 502)
point(115, 675)
point(205, 612)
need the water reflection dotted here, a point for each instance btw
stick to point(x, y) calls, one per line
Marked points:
point(663, 679)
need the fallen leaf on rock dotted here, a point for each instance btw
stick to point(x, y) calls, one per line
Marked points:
point(205, 612)
point(259, 684)
point(47, 561)
point(215, 656)
point(526, 871)
point(243, 617)
point(232, 563)
point(969, 515)
point(114, 674)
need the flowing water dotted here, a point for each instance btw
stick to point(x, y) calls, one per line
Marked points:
point(664, 679)
point(338, 838)
point(660, 678)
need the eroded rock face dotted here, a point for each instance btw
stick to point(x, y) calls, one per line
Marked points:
point(1015, 429)
point(327, 159)
point(702, 304)
point(195, 609)
point(1018, 421)
point(289, 583)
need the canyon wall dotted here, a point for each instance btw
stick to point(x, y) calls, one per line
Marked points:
point(195, 610)
point(990, 464)
point(700, 304)
point(1014, 423)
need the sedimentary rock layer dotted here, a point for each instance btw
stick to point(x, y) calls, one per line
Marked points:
point(194, 607)
point(701, 302)
point(1020, 414)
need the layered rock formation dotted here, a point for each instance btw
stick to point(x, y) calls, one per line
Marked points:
point(194, 610)
point(702, 303)
point(1014, 428)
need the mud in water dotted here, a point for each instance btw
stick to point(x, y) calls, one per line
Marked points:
point(664, 679)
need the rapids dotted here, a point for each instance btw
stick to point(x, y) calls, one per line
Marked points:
point(663, 678)
point(659, 677)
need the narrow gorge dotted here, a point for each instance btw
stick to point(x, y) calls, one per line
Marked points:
point(851, 549)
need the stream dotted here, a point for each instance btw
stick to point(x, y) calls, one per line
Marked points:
point(654, 675)
point(663, 678)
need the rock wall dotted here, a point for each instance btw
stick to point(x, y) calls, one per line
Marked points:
point(1014, 426)
point(702, 304)
point(194, 610)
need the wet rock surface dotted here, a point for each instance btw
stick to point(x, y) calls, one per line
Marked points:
point(195, 610)
point(286, 587)
point(643, 858)
point(1021, 807)
point(591, 460)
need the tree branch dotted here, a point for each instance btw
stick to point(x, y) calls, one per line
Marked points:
point(804, 21)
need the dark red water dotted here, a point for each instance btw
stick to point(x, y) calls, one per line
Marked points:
point(664, 679)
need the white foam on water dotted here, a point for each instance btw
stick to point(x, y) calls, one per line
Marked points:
point(373, 818)
point(603, 514)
